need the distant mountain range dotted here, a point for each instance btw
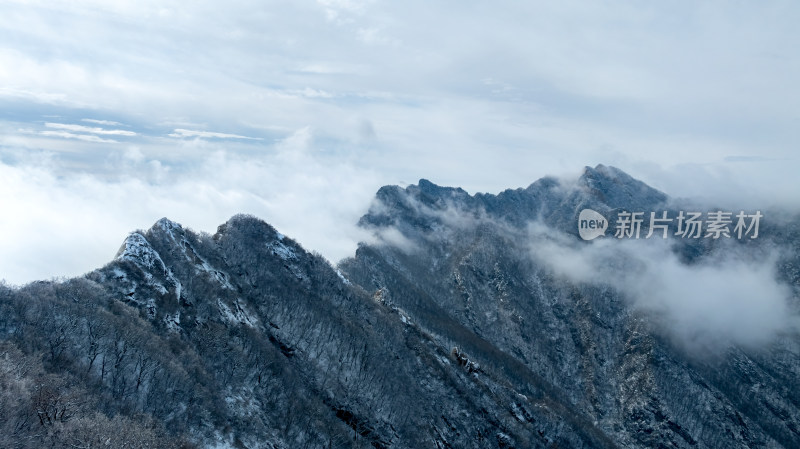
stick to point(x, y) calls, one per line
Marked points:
point(452, 329)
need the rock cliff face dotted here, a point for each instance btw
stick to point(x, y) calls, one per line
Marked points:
point(447, 332)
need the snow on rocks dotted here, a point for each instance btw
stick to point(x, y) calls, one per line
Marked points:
point(168, 226)
point(138, 250)
point(238, 315)
point(341, 276)
point(281, 250)
point(173, 322)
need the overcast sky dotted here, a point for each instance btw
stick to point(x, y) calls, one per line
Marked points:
point(115, 114)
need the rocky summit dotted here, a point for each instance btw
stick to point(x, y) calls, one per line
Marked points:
point(469, 321)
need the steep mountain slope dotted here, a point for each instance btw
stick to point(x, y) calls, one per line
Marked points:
point(243, 338)
point(450, 336)
point(465, 263)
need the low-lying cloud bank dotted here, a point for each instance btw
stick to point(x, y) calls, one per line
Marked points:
point(732, 296)
point(60, 222)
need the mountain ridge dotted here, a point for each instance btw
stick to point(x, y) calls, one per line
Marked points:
point(557, 204)
point(461, 338)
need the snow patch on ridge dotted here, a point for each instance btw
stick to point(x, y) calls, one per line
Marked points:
point(341, 276)
point(167, 225)
point(281, 250)
point(138, 250)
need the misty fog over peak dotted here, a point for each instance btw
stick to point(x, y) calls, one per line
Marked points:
point(731, 297)
point(704, 294)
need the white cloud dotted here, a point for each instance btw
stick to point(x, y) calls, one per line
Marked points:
point(64, 224)
point(730, 297)
point(36, 96)
point(90, 129)
point(336, 9)
point(485, 97)
point(69, 135)
point(315, 93)
point(186, 133)
point(101, 122)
